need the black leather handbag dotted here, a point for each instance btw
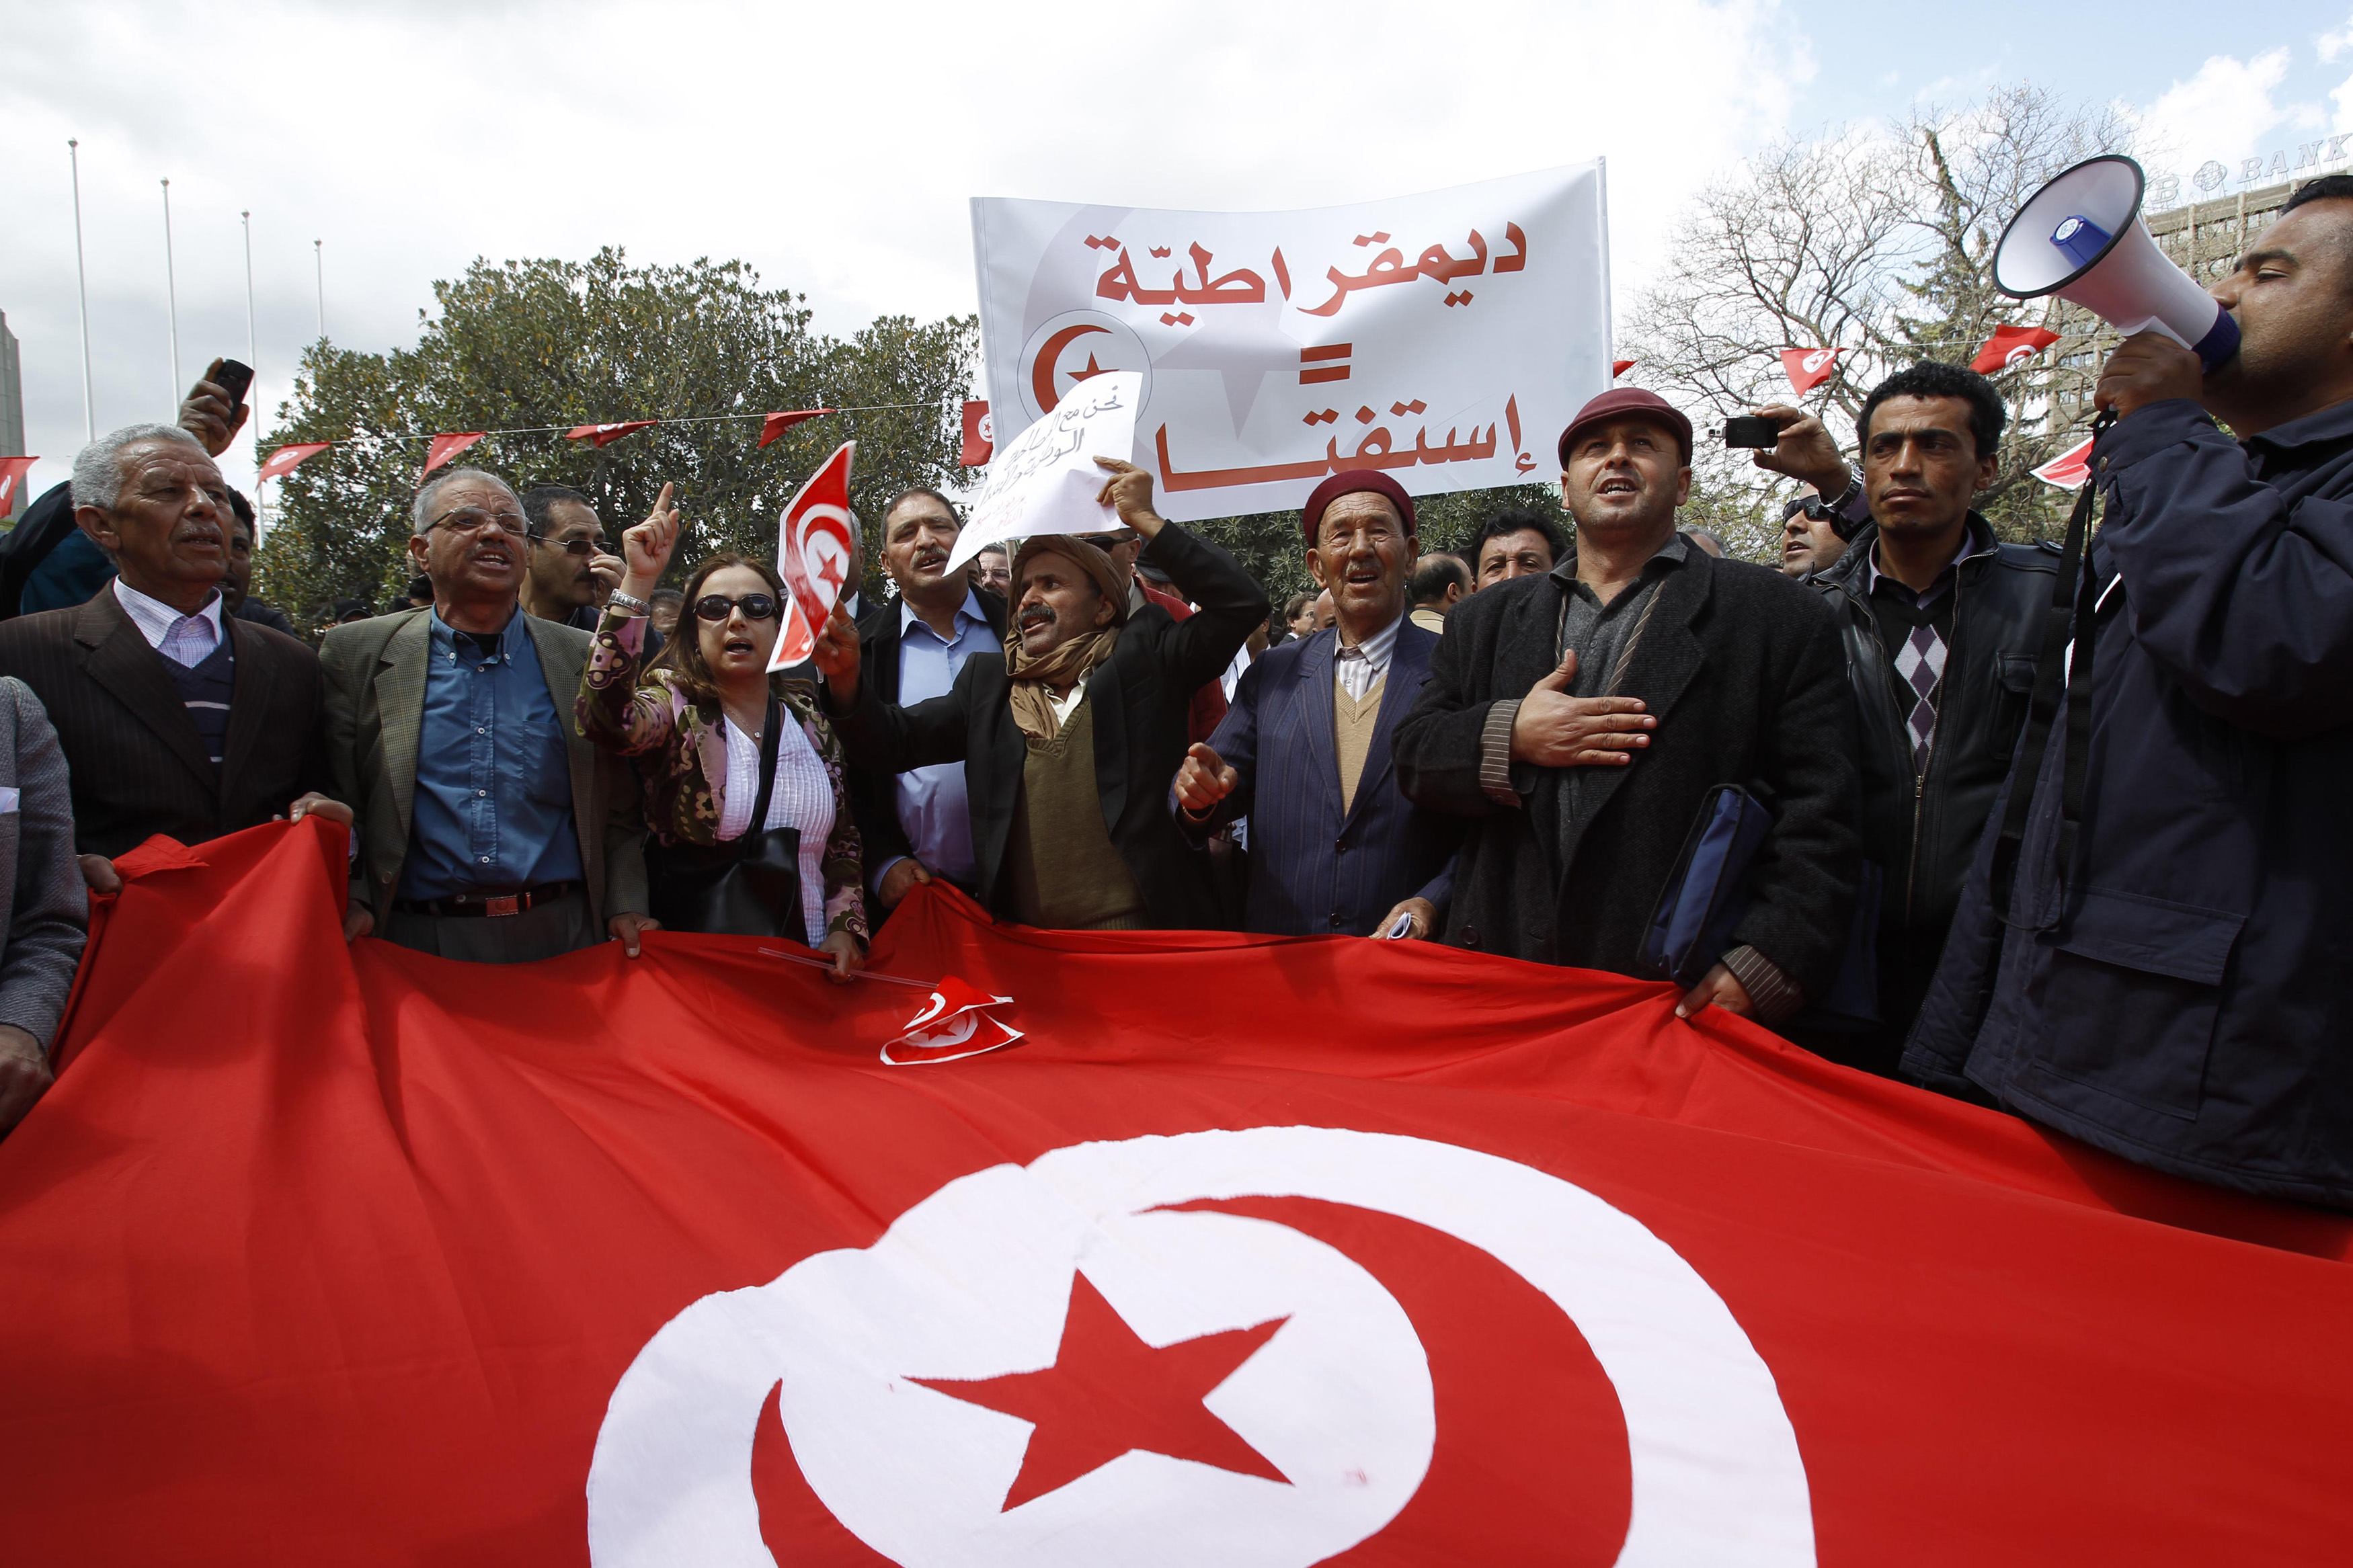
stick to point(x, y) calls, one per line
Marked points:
point(749, 886)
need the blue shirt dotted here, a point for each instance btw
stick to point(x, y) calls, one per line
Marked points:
point(494, 805)
point(932, 810)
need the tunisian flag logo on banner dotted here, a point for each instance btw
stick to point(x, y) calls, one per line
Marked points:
point(814, 550)
point(2011, 346)
point(1249, 1251)
point(1808, 368)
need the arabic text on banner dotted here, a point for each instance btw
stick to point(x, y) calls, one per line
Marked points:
point(1446, 337)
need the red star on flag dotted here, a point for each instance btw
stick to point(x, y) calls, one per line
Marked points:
point(1092, 371)
point(1108, 1393)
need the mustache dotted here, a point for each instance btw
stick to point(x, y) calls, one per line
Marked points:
point(1036, 616)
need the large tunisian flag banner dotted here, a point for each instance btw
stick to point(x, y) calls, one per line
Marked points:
point(1246, 1251)
point(1446, 337)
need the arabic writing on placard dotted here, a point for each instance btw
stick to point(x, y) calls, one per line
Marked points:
point(1241, 286)
point(1047, 481)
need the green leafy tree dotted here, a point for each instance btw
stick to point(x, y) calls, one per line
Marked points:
point(538, 347)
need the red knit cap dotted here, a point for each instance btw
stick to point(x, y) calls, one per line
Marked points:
point(1630, 400)
point(1349, 484)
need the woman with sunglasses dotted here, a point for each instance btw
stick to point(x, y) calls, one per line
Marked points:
point(703, 719)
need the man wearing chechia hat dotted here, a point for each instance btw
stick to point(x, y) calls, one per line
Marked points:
point(1070, 737)
point(1304, 751)
point(1581, 717)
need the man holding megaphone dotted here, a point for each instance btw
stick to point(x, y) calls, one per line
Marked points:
point(2150, 951)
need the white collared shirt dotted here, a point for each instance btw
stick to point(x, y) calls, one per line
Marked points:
point(1356, 669)
point(157, 620)
point(1068, 702)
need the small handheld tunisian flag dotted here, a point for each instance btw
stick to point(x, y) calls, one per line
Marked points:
point(606, 435)
point(1808, 368)
point(2011, 346)
point(12, 476)
point(1249, 1251)
point(441, 448)
point(814, 550)
point(979, 435)
point(958, 1021)
point(2070, 468)
point(286, 459)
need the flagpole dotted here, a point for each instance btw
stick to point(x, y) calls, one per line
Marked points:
point(251, 354)
point(319, 254)
point(171, 296)
point(81, 285)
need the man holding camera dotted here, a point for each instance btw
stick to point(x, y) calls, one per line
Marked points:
point(2153, 961)
point(1941, 625)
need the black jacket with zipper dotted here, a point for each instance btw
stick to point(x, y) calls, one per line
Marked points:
point(1922, 829)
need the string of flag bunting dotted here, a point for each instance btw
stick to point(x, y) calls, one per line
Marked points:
point(442, 445)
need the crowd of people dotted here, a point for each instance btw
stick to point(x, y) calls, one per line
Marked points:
point(2052, 831)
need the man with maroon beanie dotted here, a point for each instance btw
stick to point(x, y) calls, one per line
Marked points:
point(1580, 718)
point(1304, 751)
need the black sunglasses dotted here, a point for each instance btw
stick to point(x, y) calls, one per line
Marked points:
point(715, 607)
point(593, 545)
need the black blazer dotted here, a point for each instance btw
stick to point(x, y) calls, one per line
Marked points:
point(1315, 868)
point(1743, 669)
point(139, 767)
point(1141, 698)
point(873, 796)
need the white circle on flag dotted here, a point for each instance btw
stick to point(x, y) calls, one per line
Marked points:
point(972, 1284)
point(1819, 358)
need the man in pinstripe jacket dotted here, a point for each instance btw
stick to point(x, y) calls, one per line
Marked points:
point(1304, 750)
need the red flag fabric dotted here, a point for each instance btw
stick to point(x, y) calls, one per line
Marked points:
point(979, 434)
point(441, 448)
point(1619, 367)
point(814, 552)
point(606, 435)
point(776, 425)
point(12, 479)
point(287, 458)
point(1808, 368)
point(1273, 1251)
point(2011, 346)
point(2070, 468)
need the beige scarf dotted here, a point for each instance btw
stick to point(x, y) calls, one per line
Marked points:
point(1036, 679)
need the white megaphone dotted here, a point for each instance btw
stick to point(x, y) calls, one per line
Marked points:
point(2081, 237)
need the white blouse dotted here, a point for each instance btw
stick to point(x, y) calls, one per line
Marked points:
point(802, 799)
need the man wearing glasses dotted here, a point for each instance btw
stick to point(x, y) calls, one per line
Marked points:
point(488, 830)
point(571, 569)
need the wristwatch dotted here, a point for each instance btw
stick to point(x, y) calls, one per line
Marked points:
point(1841, 523)
point(629, 602)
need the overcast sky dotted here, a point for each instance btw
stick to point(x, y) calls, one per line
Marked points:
point(834, 147)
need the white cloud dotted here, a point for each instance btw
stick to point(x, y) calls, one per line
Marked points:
point(2331, 46)
point(832, 147)
point(2225, 111)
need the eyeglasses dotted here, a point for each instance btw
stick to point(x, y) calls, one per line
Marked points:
point(475, 519)
point(716, 607)
point(592, 545)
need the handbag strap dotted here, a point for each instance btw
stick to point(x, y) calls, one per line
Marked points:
point(2074, 600)
point(771, 735)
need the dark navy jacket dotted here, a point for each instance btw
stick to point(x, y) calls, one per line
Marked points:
point(1314, 868)
point(2189, 1001)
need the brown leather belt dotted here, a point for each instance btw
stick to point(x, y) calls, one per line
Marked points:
point(490, 905)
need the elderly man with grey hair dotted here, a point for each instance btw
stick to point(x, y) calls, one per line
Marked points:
point(174, 719)
point(487, 830)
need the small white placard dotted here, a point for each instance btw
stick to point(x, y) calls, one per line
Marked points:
point(1047, 481)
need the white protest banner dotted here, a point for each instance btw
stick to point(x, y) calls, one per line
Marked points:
point(1447, 337)
point(1046, 480)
